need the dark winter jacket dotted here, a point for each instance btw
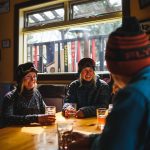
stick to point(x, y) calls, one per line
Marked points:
point(88, 96)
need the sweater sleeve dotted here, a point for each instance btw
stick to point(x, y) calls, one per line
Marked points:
point(11, 118)
point(41, 102)
point(71, 96)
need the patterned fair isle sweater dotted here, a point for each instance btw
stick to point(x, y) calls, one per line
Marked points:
point(24, 108)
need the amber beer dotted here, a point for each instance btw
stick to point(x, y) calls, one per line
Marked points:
point(101, 117)
point(71, 112)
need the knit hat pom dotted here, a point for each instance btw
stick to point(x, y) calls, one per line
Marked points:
point(127, 47)
point(131, 25)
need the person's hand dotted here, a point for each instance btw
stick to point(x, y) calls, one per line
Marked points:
point(79, 136)
point(46, 119)
point(80, 142)
point(69, 110)
point(79, 114)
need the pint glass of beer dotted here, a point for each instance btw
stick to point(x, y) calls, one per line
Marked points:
point(101, 117)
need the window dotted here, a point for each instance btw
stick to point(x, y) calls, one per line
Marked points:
point(55, 37)
point(62, 49)
point(95, 8)
point(44, 16)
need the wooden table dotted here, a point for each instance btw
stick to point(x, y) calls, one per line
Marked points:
point(37, 137)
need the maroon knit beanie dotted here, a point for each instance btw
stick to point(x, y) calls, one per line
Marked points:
point(128, 49)
point(86, 62)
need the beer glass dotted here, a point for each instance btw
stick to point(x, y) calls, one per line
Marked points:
point(101, 117)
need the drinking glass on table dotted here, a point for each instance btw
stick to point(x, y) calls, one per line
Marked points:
point(71, 110)
point(50, 110)
point(101, 117)
point(64, 130)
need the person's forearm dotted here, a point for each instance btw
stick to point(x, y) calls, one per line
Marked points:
point(17, 119)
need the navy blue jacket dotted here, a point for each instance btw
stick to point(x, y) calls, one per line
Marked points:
point(128, 125)
point(88, 96)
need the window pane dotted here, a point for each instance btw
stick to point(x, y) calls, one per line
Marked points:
point(61, 50)
point(42, 17)
point(95, 8)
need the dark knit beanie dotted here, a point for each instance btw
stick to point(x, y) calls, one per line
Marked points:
point(128, 49)
point(24, 69)
point(85, 62)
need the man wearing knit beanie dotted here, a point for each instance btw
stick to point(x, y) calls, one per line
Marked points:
point(88, 92)
point(128, 49)
point(128, 59)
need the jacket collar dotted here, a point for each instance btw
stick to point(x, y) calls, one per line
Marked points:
point(142, 74)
